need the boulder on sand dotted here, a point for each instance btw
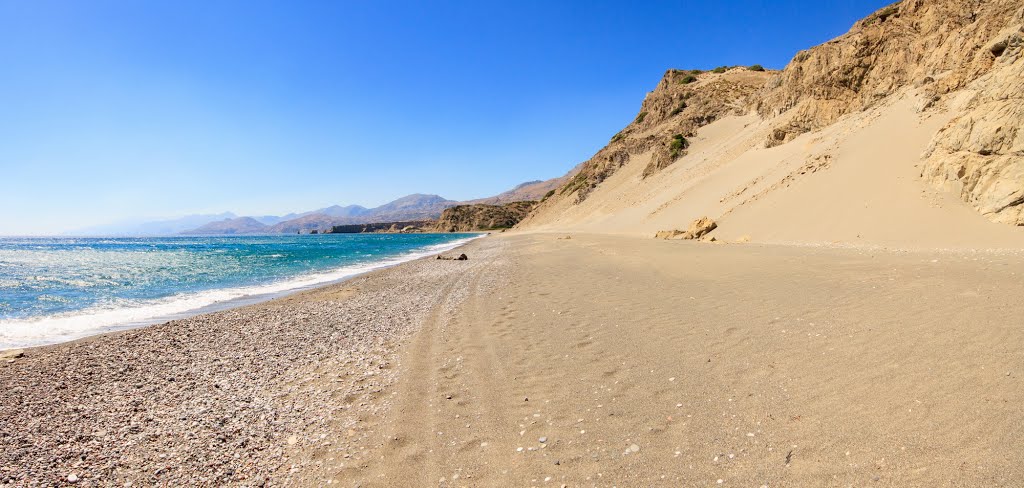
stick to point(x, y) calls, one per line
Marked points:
point(699, 228)
point(461, 257)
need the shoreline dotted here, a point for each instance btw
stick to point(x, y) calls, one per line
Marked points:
point(230, 303)
point(595, 360)
point(216, 398)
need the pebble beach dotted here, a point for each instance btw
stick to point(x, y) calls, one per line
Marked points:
point(227, 398)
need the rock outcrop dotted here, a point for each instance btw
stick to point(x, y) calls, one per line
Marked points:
point(980, 154)
point(683, 101)
point(940, 43)
point(698, 229)
point(946, 48)
point(478, 217)
point(405, 227)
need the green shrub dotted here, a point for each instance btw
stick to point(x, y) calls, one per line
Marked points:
point(720, 69)
point(883, 14)
point(687, 80)
point(679, 108)
point(548, 195)
point(618, 137)
point(887, 12)
point(577, 183)
point(677, 145)
point(695, 71)
point(756, 67)
point(640, 118)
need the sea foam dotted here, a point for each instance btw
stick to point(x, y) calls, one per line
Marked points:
point(36, 331)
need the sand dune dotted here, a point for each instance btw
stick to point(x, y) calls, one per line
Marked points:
point(901, 133)
point(854, 183)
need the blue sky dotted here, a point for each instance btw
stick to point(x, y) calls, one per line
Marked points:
point(118, 109)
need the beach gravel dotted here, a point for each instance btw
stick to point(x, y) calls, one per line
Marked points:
point(226, 398)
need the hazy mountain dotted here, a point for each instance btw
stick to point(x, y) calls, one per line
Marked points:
point(339, 211)
point(523, 192)
point(268, 219)
point(139, 227)
point(411, 207)
point(306, 223)
point(240, 225)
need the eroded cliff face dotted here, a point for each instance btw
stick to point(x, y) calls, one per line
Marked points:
point(683, 101)
point(477, 217)
point(961, 57)
point(947, 49)
point(936, 42)
point(980, 154)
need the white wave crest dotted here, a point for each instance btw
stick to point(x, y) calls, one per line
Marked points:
point(17, 333)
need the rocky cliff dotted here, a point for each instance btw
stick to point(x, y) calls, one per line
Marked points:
point(406, 227)
point(960, 60)
point(477, 217)
point(950, 49)
point(683, 101)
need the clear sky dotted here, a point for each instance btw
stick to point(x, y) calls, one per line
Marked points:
point(118, 109)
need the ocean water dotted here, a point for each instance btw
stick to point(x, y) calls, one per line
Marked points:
point(58, 289)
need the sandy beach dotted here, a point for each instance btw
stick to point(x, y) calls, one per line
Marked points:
point(712, 261)
point(228, 398)
point(547, 361)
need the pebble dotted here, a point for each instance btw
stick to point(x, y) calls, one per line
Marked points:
point(542, 440)
point(634, 448)
point(221, 394)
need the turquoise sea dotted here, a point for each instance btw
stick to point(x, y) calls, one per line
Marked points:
point(58, 289)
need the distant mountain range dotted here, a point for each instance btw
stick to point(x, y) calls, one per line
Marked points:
point(408, 208)
point(141, 227)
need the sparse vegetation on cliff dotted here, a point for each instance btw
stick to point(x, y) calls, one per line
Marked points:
point(481, 217)
point(679, 108)
point(677, 145)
